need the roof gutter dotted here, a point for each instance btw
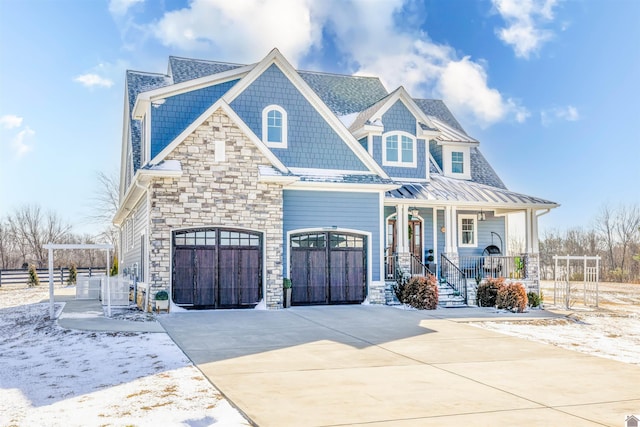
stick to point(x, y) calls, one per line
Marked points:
point(139, 186)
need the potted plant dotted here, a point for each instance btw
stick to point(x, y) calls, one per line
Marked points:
point(162, 301)
point(286, 285)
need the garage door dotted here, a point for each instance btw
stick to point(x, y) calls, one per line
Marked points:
point(328, 268)
point(217, 268)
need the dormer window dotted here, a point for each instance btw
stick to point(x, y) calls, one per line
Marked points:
point(457, 162)
point(399, 149)
point(274, 126)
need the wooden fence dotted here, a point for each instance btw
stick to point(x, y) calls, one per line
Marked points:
point(19, 277)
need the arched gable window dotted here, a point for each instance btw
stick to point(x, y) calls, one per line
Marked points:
point(399, 149)
point(274, 126)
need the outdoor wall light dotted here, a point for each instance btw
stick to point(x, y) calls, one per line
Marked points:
point(482, 216)
point(414, 212)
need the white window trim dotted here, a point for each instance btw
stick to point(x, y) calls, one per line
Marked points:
point(399, 163)
point(475, 231)
point(265, 126)
point(447, 160)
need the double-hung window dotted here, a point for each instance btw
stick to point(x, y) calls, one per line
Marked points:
point(399, 149)
point(467, 231)
point(274, 126)
point(457, 162)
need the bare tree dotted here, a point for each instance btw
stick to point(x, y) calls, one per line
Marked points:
point(105, 201)
point(605, 228)
point(5, 245)
point(32, 230)
point(626, 229)
point(105, 205)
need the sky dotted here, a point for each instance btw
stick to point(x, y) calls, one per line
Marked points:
point(550, 88)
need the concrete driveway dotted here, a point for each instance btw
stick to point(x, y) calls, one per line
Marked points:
point(377, 365)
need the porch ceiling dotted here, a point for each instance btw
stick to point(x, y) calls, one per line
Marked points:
point(449, 190)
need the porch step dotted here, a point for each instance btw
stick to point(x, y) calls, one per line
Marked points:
point(447, 297)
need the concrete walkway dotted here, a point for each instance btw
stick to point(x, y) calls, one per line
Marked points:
point(88, 315)
point(377, 365)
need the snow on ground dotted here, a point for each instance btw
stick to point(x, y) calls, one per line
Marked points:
point(52, 376)
point(612, 330)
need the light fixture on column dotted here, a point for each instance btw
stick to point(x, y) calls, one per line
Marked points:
point(414, 211)
point(481, 215)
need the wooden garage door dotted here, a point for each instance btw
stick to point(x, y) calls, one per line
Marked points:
point(328, 268)
point(217, 268)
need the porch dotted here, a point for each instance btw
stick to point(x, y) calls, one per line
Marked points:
point(459, 276)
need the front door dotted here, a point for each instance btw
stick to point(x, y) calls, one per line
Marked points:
point(415, 237)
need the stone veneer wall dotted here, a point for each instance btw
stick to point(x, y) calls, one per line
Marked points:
point(212, 194)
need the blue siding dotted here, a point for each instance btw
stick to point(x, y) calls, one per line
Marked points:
point(492, 223)
point(440, 216)
point(364, 142)
point(311, 142)
point(436, 152)
point(318, 209)
point(427, 227)
point(178, 112)
point(398, 117)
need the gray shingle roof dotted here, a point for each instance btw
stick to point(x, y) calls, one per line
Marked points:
point(365, 115)
point(183, 69)
point(482, 172)
point(137, 82)
point(442, 189)
point(345, 94)
point(437, 109)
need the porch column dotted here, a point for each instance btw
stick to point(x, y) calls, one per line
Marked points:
point(535, 244)
point(528, 226)
point(398, 247)
point(434, 214)
point(451, 228)
point(402, 229)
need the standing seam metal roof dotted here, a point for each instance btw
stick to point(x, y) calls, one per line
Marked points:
point(443, 189)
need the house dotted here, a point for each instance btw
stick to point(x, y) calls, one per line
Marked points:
point(234, 177)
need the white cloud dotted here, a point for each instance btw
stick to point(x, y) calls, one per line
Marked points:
point(369, 39)
point(568, 113)
point(242, 31)
point(121, 7)
point(463, 85)
point(21, 143)
point(92, 80)
point(10, 121)
point(525, 19)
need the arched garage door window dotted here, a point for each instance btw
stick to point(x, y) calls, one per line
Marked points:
point(217, 268)
point(328, 268)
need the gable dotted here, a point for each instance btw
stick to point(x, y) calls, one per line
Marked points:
point(176, 113)
point(312, 142)
point(399, 118)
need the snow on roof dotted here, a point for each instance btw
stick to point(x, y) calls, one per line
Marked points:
point(164, 166)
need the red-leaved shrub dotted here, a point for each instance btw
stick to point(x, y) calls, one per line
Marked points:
point(512, 297)
point(487, 292)
point(421, 293)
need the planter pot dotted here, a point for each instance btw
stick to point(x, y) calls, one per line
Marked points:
point(287, 298)
point(162, 305)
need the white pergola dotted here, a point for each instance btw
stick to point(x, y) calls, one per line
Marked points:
point(51, 246)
